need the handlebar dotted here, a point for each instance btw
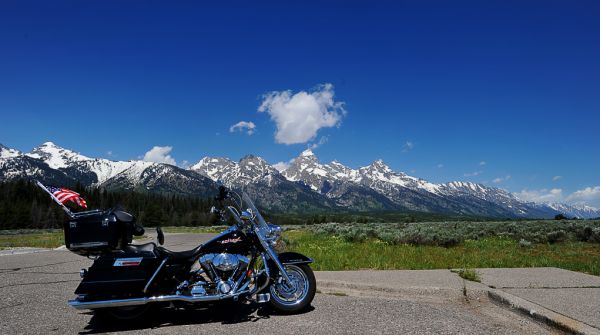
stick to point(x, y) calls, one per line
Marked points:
point(223, 194)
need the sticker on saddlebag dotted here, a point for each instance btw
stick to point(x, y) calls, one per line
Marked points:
point(128, 261)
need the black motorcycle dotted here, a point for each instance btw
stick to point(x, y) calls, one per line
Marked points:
point(239, 264)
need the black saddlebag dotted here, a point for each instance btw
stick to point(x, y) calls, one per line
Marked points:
point(97, 232)
point(119, 274)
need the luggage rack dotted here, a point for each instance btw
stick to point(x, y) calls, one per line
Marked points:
point(85, 213)
point(65, 208)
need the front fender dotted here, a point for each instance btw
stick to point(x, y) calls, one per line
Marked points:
point(293, 258)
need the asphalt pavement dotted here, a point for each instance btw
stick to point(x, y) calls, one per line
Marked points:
point(35, 288)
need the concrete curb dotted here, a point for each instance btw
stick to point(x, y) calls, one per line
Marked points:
point(22, 251)
point(542, 314)
point(532, 310)
point(407, 292)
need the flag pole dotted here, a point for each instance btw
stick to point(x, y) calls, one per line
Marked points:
point(69, 213)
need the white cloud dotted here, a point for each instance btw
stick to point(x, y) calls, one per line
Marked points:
point(159, 155)
point(543, 195)
point(501, 179)
point(322, 141)
point(555, 178)
point(473, 174)
point(585, 195)
point(440, 166)
point(248, 126)
point(482, 163)
point(185, 164)
point(280, 166)
point(298, 117)
point(408, 146)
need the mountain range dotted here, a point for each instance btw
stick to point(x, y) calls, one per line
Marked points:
point(306, 185)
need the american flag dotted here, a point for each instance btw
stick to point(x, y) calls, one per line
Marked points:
point(63, 195)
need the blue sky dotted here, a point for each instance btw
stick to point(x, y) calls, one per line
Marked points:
point(433, 88)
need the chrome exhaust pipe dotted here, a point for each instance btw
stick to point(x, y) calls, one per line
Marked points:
point(78, 304)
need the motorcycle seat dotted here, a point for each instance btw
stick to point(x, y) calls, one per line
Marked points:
point(180, 255)
point(140, 248)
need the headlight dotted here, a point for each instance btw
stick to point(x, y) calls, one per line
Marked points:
point(274, 234)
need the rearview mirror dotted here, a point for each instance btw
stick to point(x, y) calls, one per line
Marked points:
point(246, 216)
point(160, 236)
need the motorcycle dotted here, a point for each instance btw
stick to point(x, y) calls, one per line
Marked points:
point(239, 264)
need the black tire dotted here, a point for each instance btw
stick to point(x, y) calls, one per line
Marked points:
point(290, 306)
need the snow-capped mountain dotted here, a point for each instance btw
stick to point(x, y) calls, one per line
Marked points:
point(24, 167)
point(85, 169)
point(250, 169)
point(307, 169)
point(163, 178)
point(407, 192)
point(53, 164)
point(306, 185)
point(263, 182)
point(8, 152)
point(578, 211)
point(55, 156)
point(386, 189)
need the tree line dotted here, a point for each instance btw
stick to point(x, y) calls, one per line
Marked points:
point(23, 205)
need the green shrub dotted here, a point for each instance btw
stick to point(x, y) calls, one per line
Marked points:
point(556, 236)
point(524, 243)
point(469, 274)
point(450, 234)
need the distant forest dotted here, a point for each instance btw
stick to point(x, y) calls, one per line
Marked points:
point(23, 205)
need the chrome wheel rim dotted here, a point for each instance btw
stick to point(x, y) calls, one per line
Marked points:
point(294, 294)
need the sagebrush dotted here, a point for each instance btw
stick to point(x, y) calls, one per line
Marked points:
point(453, 233)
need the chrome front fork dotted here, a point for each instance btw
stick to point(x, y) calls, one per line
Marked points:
point(273, 256)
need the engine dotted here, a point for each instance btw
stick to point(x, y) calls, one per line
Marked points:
point(224, 269)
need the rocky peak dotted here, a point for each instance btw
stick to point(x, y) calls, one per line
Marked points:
point(341, 171)
point(56, 156)
point(214, 168)
point(253, 165)
point(307, 153)
point(6, 152)
point(376, 170)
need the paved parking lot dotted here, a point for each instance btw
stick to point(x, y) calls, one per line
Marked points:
point(35, 287)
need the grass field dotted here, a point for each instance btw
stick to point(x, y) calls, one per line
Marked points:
point(335, 253)
point(32, 239)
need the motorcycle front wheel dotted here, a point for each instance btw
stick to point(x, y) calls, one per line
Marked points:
point(294, 298)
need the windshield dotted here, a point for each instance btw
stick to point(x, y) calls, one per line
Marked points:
point(262, 224)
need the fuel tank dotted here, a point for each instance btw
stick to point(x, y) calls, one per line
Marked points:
point(231, 241)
